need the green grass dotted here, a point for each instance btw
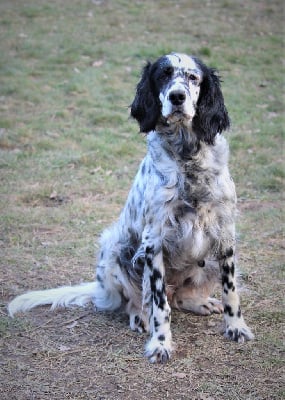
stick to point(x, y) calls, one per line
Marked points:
point(68, 154)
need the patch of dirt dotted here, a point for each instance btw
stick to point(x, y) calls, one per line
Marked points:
point(76, 354)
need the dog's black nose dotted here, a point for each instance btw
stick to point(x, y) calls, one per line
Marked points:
point(177, 97)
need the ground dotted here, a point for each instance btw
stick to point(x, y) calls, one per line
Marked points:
point(68, 154)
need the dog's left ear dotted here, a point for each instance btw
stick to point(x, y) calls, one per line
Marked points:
point(145, 108)
point(211, 115)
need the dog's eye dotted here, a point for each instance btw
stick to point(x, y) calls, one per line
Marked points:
point(193, 78)
point(168, 71)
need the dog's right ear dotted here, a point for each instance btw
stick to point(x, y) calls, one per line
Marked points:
point(146, 107)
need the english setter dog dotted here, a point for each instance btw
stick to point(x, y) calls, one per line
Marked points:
point(174, 242)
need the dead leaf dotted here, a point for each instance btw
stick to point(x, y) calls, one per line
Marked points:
point(179, 375)
point(72, 325)
point(62, 347)
point(53, 195)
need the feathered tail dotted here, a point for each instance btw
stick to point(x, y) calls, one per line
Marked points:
point(65, 296)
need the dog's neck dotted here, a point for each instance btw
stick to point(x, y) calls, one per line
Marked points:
point(178, 139)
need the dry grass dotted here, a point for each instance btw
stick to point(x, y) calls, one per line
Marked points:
point(68, 154)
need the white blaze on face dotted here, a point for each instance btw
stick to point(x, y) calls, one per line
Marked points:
point(184, 68)
point(182, 61)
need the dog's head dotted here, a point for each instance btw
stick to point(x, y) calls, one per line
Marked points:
point(181, 90)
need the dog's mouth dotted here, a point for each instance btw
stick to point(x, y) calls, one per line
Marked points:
point(178, 116)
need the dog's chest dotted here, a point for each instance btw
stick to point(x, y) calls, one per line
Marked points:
point(202, 205)
point(198, 200)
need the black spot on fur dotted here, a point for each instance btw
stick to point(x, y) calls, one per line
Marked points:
point(234, 334)
point(230, 333)
point(149, 249)
point(229, 252)
point(161, 338)
point(156, 275)
point(100, 280)
point(149, 262)
point(229, 269)
point(159, 300)
point(239, 312)
point(228, 310)
point(156, 324)
point(159, 296)
point(228, 283)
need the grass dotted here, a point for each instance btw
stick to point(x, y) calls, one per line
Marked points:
point(68, 154)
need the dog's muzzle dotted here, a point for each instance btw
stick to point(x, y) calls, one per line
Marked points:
point(177, 106)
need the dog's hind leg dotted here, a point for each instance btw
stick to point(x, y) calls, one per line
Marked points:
point(194, 287)
point(109, 276)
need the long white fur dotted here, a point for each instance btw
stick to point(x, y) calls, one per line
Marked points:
point(65, 296)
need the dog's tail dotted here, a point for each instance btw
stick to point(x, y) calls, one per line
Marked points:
point(66, 296)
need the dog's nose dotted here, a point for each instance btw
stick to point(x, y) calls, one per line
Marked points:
point(177, 97)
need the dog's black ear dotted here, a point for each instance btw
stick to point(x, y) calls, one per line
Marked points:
point(211, 114)
point(146, 108)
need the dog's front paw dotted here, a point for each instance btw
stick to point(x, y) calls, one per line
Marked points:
point(159, 351)
point(239, 332)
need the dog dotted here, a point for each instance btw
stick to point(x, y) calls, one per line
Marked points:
point(174, 242)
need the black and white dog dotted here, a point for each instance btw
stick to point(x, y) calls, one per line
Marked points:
point(174, 242)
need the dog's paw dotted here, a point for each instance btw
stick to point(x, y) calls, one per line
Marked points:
point(239, 332)
point(158, 351)
point(204, 306)
point(211, 306)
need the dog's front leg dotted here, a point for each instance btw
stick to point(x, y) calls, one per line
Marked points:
point(159, 347)
point(236, 328)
